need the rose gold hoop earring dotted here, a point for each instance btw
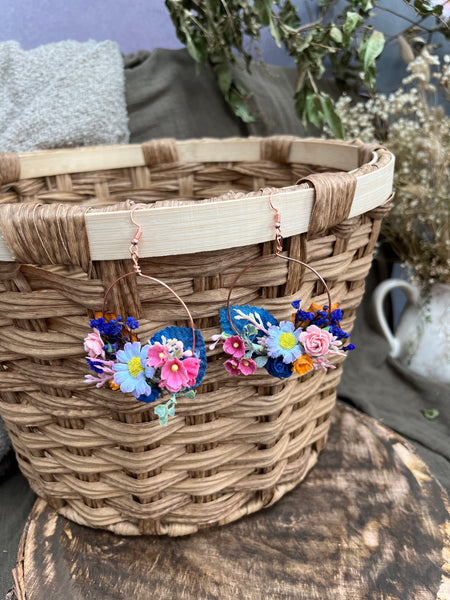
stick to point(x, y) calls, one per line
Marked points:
point(172, 363)
point(253, 338)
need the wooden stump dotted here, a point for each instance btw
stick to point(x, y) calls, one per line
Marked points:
point(369, 522)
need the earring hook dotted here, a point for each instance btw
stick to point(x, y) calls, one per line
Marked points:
point(277, 254)
point(134, 253)
point(277, 223)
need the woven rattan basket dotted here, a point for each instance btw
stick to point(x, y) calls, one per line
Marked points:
point(100, 457)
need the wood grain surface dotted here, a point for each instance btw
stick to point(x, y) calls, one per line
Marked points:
point(369, 522)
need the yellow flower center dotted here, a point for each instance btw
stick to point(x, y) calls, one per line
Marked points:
point(134, 366)
point(174, 367)
point(161, 355)
point(235, 345)
point(245, 363)
point(287, 341)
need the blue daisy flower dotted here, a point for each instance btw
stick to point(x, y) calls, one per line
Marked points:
point(132, 371)
point(282, 341)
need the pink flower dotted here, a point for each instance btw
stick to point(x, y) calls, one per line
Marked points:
point(101, 378)
point(93, 344)
point(232, 366)
point(234, 346)
point(316, 341)
point(174, 376)
point(322, 363)
point(247, 366)
point(158, 355)
point(192, 366)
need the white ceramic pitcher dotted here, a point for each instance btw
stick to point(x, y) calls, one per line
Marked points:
point(422, 338)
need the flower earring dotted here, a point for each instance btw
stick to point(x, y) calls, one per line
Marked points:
point(171, 364)
point(253, 338)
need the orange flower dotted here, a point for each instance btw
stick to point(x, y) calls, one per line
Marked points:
point(316, 307)
point(107, 316)
point(113, 386)
point(303, 364)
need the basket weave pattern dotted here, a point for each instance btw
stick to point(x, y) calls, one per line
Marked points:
point(99, 457)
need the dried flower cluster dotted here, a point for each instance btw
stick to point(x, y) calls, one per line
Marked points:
point(416, 129)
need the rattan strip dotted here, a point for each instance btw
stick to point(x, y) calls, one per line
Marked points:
point(51, 237)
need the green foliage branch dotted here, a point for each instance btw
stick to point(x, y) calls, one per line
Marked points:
point(218, 31)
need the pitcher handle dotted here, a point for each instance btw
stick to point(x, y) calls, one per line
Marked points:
point(412, 294)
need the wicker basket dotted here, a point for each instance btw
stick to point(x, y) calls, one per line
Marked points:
point(100, 457)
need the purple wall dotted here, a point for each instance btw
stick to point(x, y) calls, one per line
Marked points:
point(132, 24)
point(136, 24)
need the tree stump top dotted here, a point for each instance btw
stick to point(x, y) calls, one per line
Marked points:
point(369, 522)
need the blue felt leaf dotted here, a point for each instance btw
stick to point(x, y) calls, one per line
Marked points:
point(184, 334)
point(239, 324)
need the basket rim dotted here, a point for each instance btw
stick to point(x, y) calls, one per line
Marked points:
point(195, 222)
point(310, 150)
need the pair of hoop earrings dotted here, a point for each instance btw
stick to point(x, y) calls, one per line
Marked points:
point(173, 362)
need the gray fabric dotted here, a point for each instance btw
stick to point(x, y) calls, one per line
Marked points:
point(5, 443)
point(386, 390)
point(168, 95)
point(16, 500)
point(63, 94)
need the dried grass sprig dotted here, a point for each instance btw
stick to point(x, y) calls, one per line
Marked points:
point(415, 127)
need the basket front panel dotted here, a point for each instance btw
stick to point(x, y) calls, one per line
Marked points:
point(99, 456)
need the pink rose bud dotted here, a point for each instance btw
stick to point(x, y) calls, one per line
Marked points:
point(316, 341)
point(93, 344)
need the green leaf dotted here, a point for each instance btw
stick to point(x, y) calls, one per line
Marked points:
point(352, 22)
point(369, 50)
point(372, 49)
point(336, 35)
point(261, 361)
point(250, 329)
point(275, 33)
point(264, 8)
point(224, 78)
point(190, 394)
point(193, 50)
point(367, 5)
point(424, 7)
point(300, 98)
point(331, 118)
point(430, 413)
point(248, 354)
point(314, 110)
point(239, 107)
point(162, 412)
